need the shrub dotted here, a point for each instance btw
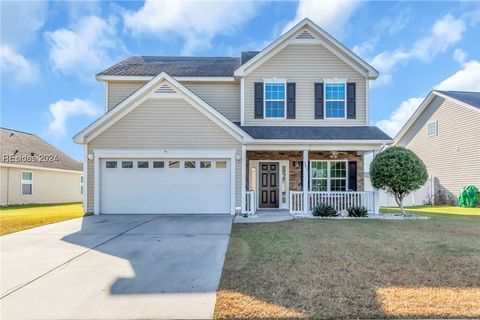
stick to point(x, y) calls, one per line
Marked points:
point(324, 210)
point(360, 211)
point(399, 171)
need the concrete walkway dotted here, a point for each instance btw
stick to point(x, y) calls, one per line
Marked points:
point(265, 217)
point(115, 267)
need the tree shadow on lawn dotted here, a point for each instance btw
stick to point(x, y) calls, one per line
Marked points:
point(352, 269)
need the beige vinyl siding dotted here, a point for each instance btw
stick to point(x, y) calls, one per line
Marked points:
point(453, 156)
point(118, 91)
point(48, 186)
point(305, 64)
point(160, 124)
point(223, 96)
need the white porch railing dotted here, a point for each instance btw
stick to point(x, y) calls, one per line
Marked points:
point(250, 202)
point(339, 200)
point(296, 202)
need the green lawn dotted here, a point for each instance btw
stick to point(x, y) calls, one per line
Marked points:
point(330, 269)
point(17, 218)
point(434, 210)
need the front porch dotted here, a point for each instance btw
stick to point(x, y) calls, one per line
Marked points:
point(297, 181)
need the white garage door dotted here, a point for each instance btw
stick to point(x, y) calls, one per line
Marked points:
point(165, 186)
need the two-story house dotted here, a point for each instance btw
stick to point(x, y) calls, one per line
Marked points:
point(284, 128)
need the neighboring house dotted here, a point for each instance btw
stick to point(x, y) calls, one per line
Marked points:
point(283, 128)
point(33, 171)
point(445, 133)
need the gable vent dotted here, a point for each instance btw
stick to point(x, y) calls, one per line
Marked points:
point(165, 88)
point(305, 35)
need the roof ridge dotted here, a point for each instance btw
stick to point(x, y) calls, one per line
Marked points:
point(458, 91)
point(24, 132)
point(186, 57)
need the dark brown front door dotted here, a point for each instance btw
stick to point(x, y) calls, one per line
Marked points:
point(269, 185)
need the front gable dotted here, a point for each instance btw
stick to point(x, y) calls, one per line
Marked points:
point(307, 32)
point(164, 123)
point(305, 62)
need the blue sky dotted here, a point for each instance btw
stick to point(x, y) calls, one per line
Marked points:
point(50, 51)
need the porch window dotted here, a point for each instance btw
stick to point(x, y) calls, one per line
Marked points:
point(338, 176)
point(275, 100)
point(284, 184)
point(319, 176)
point(335, 100)
point(253, 183)
point(328, 175)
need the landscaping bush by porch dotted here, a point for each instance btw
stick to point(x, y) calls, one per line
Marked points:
point(357, 212)
point(324, 210)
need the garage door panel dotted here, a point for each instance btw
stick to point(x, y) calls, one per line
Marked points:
point(164, 190)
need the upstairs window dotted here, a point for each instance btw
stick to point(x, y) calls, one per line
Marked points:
point(432, 129)
point(275, 100)
point(335, 93)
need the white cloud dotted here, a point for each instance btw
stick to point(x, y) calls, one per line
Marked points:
point(329, 15)
point(399, 116)
point(394, 25)
point(459, 55)
point(466, 79)
point(89, 45)
point(61, 110)
point(444, 33)
point(21, 20)
point(197, 22)
point(19, 23)
point(366, 47)
point(15, 66)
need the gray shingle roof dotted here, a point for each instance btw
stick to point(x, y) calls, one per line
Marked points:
point(247, 55)
point(23, 145)
point(471, 98)
point(316, 133)
point(174, 66)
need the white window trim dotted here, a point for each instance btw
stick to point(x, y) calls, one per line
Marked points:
point(436, 128)
point(334, 100)
point(329, 178)
point(274, 80)
point(22, 182)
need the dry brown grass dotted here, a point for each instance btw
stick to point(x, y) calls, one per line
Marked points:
point(337, 269)
point(232, 304)
point(430, 302)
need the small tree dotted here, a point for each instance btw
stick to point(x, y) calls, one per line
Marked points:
point(399, 171)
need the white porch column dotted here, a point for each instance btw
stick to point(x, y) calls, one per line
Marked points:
point(305, 182)
point(244, 177)
point(376, 192)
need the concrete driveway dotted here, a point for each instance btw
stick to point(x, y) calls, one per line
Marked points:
point(115, 267)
